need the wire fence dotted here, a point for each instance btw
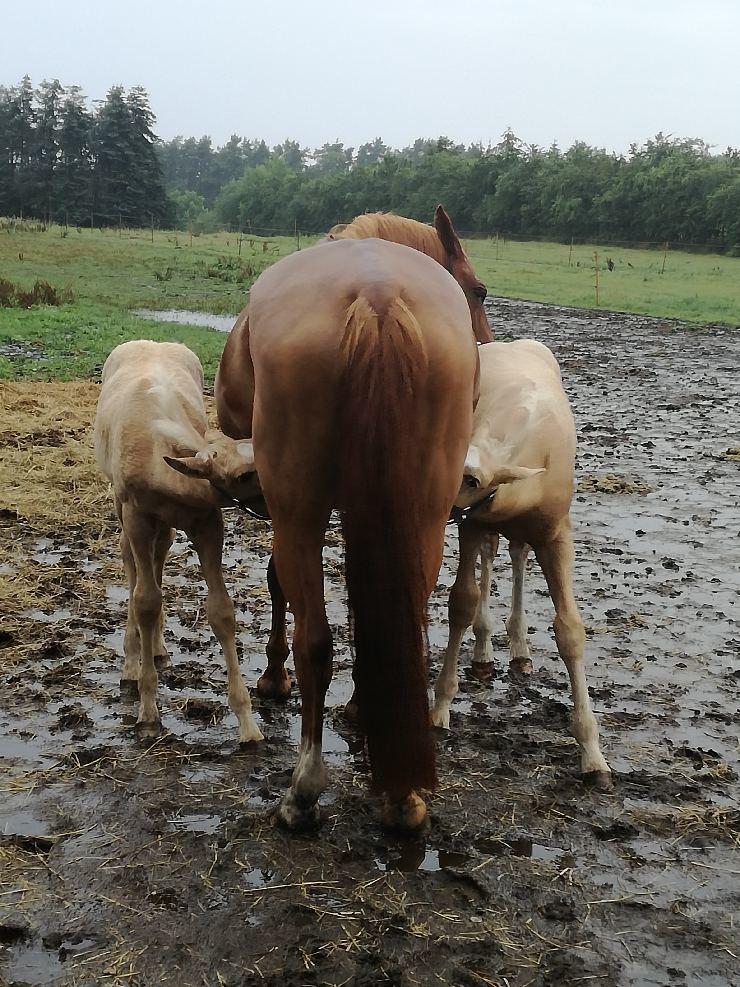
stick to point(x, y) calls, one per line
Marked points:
point(130, 226)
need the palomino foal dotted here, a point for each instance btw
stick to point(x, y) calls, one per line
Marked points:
point(151, 417)
point(362, 365)
point(523, 448)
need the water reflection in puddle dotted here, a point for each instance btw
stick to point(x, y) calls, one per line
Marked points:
point(224, 323)
point(417, 856)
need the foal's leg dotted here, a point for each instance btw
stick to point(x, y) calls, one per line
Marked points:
point(462, 605)
point(299, 566)
point(142, 531)
point(516, 625)
point(556, 559)
point(208, 538)
point(274, 683)
point(162, 545)
point(483, 622)
point(131, 644)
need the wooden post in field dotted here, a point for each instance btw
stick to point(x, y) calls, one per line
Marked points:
point(570, 252)
point(152, 215)
point(92, 220)
point(665, 254)
point(497, 241)
point(297, 235)
point(119, 226)
point(66, 218)
point(191, 235)
point(596, 272)
point(240, 243)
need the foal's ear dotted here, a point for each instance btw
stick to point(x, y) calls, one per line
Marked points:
point(190, 466)
point(445, 229)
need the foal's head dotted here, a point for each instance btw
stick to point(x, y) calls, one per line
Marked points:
point(227, 464)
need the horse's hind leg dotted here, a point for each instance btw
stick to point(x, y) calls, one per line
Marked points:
point(462, 606)
point(162, 545)
point(556, 559)
point(131, 644)
point(142, 532)
point(300, 570)
point(274, 683)
point(516, 625)
point(208, 538)
point(483, 621)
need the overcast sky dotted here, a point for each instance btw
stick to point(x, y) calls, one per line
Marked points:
point(608, 72)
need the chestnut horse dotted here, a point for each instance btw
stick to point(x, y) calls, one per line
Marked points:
point(234, 387)
point(439, 241)
point(364, 373)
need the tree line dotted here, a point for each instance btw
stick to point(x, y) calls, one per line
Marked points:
point(667, 189)
point(60, 159)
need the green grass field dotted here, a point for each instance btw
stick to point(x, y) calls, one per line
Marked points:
point(112, 273)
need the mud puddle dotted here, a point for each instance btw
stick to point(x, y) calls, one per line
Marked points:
point(162, 860)
point(178, 316)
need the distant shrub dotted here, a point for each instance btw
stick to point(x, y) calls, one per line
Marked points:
point(42, 293)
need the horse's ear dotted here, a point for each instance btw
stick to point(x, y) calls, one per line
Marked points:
point(445, 229)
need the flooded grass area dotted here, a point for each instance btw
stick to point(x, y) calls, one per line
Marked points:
point(130, 863)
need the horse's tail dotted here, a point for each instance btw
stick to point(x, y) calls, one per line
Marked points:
point(382, 447)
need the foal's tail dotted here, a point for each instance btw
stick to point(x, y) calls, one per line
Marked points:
point(381, 449)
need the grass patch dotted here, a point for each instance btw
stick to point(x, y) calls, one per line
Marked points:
point(694, 287)
point(109, 273)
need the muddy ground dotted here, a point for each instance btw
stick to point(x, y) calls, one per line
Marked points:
point(127, 864)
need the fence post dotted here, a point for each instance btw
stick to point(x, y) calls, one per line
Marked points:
point(596, 272)
point(297, 235)
point(570, 252)
point(665, 254)
point(152, 215)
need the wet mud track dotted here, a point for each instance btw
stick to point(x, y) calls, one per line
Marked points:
point(132, 864)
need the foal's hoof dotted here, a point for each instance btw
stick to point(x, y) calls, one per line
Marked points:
point(148, 729)
point(295, 817)
point(405, 817)
point(482, 671)
point(273, 687)
point(161, 659)
point(602, 781)
point(520, 666)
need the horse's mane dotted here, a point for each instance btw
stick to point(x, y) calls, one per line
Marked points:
point(386, 226)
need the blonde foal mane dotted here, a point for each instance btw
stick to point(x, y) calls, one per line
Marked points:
point(397, 229)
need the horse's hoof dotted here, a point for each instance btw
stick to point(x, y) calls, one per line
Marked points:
point(269, 687)
point(148, 729)
point(296, 818)
point(405, 817)
point(250, 734)
point(520, 666)
point(482, 671)
point(440, 718)
point(602, 781)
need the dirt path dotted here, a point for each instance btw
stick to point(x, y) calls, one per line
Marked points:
point(126, 865)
